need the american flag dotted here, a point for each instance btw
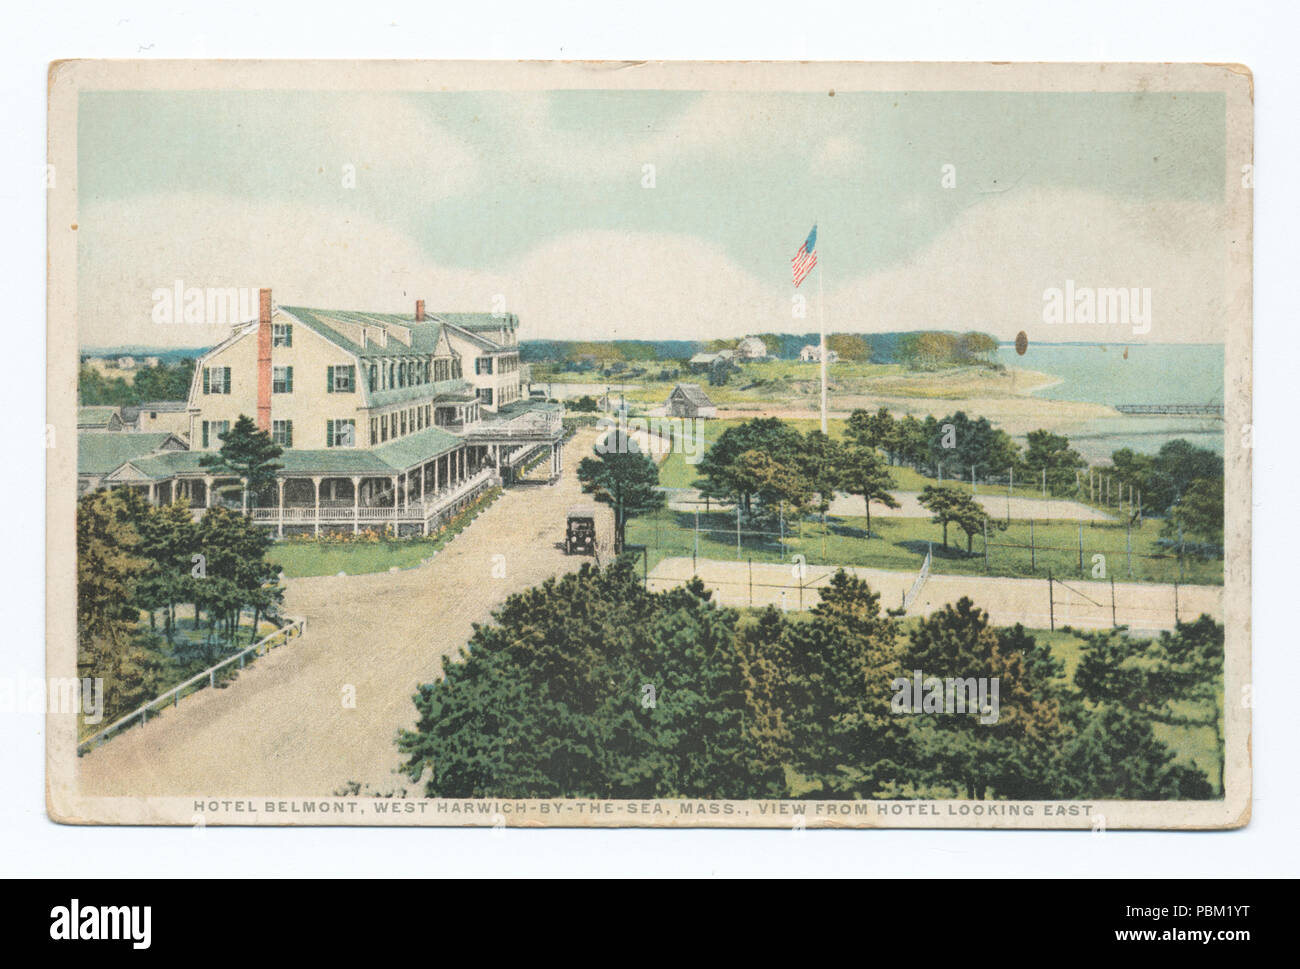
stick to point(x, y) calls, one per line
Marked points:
point(805, 258)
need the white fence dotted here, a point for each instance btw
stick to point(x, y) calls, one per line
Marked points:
point(924, 574)
point(293, 630)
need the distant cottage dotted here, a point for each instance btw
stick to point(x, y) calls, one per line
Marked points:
point(752, 348)
point(690, 400)
point(812, 353)
point(706, 361)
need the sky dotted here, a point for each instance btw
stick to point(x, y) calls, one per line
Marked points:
point(542, 203)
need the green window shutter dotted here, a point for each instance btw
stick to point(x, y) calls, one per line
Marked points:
point(207, 384)
point(352, 377)
point(329, 432)
point(288, 433)
point(205, 423)
point(329, 380)
point(288, 380)
point(227, 379)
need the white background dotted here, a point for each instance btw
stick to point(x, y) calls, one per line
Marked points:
point(1260, 35)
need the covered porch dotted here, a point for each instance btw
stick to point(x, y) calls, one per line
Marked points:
point(417, 497)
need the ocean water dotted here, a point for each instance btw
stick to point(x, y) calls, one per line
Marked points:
point(1151, 374)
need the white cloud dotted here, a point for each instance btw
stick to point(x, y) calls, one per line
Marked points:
point(990, 268)
point(586, 285)
point(987, 271)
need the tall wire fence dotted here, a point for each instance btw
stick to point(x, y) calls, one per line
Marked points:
point(1129, 550)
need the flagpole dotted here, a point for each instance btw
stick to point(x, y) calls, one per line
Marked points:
point(821, 321)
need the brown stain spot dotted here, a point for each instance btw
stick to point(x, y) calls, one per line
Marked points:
point(831, 93)
point(74, 227)
point(1022, 343)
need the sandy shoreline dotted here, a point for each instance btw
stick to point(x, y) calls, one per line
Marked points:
point(1017, 411)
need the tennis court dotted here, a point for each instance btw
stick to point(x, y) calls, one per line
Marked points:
point(1036, 602)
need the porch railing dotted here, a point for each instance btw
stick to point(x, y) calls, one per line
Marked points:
point(337, 511)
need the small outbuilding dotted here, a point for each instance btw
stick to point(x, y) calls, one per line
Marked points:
point(690, 400)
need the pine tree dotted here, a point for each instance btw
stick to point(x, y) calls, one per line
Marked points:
point(248, 454)
point(865, 475)
point(624, 478)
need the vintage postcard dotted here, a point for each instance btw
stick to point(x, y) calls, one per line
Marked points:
point(649, 444)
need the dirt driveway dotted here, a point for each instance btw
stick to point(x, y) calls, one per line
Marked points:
point(284, 726)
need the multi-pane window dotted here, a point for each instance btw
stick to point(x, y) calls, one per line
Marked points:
point(374, 430)
point(341, 433)
point(281, 335)
point(213, 431)
point(485, 395)
point(374, 378)
point(383, 428)
point(340, 379)
point(216, 380)
point(282, 433)
point(282, 380)
point(403, 422)
point(482, 365)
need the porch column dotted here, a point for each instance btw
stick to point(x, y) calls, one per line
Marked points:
point(280, 483)
point(356, 505)
point(462, 463)
point(315, 484)
point(153, 493)
point(436, 462)
point(207, 490)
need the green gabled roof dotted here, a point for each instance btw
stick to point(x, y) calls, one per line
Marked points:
point(387, 459)
point(97, 416)
point(341, 461)
point(415, 448)
point(99, 452)
point(335, 460)
point(480, 321)
point(518, 408)
point(167, 463)
point(424, 336)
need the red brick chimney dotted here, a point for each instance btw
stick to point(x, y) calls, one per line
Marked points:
point(419, 311)
point(264, 360)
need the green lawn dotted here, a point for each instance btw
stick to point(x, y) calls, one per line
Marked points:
point(901, 543)
point(793, 381)
point(675, 472)
point(310, 558)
